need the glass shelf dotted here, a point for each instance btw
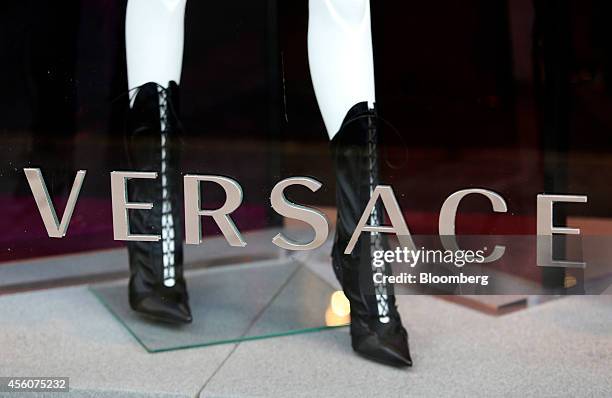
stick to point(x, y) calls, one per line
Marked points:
point(234, 303)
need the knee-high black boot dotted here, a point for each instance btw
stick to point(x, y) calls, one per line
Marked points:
point(376, 329)
point(157, 287)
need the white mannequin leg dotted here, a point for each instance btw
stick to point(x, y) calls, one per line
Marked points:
point(340, 57)
point(154, 31)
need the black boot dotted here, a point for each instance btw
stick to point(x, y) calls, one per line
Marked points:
point(157, 288)
point(376, 329)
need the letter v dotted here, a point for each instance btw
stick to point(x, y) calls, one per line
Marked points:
point(45, 205)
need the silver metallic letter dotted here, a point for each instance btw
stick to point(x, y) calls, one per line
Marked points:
point(193, 210)
point(311, 216)
point(55, 229)
point(119, 198)
point(398, 224)
point(546, 229)
point(448, 215)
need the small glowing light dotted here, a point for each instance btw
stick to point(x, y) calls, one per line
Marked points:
point(340, 304)
point(338, 312)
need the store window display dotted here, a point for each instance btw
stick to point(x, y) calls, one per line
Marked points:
point(342, 68)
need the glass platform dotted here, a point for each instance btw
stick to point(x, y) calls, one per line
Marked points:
point(234, 303)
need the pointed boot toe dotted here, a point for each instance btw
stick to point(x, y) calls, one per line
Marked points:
point(185, 312)
point(390, 349)
point(372, 349)
point(164, 310)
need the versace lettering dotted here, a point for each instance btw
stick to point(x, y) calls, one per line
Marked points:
point(311, 216)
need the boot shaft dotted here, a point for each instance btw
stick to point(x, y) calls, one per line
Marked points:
point(355, 155)
point(153, 144)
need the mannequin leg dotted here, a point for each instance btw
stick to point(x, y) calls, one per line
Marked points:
point(154, 36)
point(342, 69)
point(154, 45)
point(340, 57)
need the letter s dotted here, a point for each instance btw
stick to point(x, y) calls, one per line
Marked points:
point(310, 216)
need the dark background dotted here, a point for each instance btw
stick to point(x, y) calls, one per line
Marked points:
point(512, 96)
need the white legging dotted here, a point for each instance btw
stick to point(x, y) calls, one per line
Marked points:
point(339, 50)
